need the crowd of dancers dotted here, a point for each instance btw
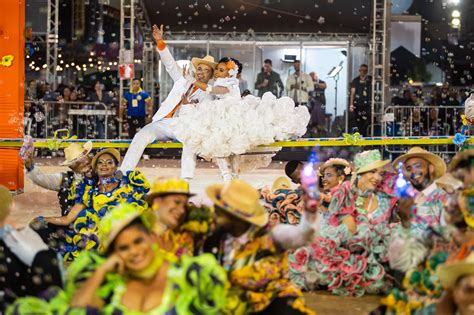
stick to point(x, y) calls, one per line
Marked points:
point(122, 245)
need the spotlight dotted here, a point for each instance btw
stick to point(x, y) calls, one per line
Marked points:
point(455, 22)
point(456, 14)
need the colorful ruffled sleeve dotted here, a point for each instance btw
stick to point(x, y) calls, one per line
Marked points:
point(83, 268)
point(196, 285)
point(83, 192)
point(138, 183)
point(342, 204)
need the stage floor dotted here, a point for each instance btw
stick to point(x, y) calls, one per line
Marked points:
point(36, 201)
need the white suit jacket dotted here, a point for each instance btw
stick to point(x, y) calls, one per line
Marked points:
point(179, 87)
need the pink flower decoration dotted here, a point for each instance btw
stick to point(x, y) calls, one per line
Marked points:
point(301, 256)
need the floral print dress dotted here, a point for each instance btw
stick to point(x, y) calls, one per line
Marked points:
point(82, 234)
point(348, 264)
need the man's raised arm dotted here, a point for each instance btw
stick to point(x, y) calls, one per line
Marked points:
point(170, 64)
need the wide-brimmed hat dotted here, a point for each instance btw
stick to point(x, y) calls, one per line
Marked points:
point(168, 186)
point(369, 160)
point(239, 199)
point(114, 152)
point(336, 161)
point(460, 157)
point(76, 151)
point(281, 182)
point(458, 265)
point(436, 161)
point(115, 221)
point(208, 60)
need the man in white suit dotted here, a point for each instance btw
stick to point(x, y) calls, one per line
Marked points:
point(182, 93)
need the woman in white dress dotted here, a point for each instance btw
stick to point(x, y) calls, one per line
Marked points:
point(229, 126)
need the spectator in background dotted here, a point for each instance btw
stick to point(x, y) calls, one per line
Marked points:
point(268, 80)
point(62, 109)
point(360, 101)
point(81, 94)
point(446, 116)
point(100, 96)
point(318, 92)
point(31, 90)
point(139, 108)
point(46, 93)
point(298, 85)
point(406, 99)
point(243, 85)
point(317, 105)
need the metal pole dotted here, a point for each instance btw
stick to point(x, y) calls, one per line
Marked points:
point(52, 43)
point(349, 78)
point(254, 74)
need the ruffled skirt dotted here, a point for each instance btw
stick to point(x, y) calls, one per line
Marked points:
point(346, 264)
point(233, 126)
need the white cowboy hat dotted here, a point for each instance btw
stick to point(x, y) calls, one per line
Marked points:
point(75, 151)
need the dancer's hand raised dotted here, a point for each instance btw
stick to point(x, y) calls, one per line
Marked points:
point(158, 33)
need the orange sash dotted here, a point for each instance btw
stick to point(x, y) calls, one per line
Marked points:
point(170, 115)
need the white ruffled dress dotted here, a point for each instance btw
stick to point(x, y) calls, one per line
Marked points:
point(231, 125)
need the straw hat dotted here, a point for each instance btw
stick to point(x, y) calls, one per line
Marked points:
point(167, 186)
point(115, 221)
point(281, 182)
point(436, 161)
point(6, 201)
point(461, 264)
point(369, 160)
point(208, 60)
point(336, 161)
point(239, 199)
point(460, 157)
point(114, 152)
point(75, 151)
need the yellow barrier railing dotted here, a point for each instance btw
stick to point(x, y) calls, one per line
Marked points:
point(303, 142)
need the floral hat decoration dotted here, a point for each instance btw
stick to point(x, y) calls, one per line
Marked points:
point(232, 67)
point(369, 160)
point(337, 161)
point(115, 221)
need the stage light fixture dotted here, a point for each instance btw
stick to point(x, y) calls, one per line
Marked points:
point(456, 22)
point(456, 14)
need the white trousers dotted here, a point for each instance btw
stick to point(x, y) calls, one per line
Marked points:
point(158, 130)
point(229, 167)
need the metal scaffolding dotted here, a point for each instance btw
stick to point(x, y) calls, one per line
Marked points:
point(52, 43)
point(149, 64)
point(380, 69)
point(355, 38)
point(143, 20)
point(149, 67)
point(79, 22)
point(127, 40)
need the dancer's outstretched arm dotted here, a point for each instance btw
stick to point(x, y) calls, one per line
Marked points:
point(172, 67)
point(72, 215)
point(216, 90)
point(294, 236)
point(47, 181)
